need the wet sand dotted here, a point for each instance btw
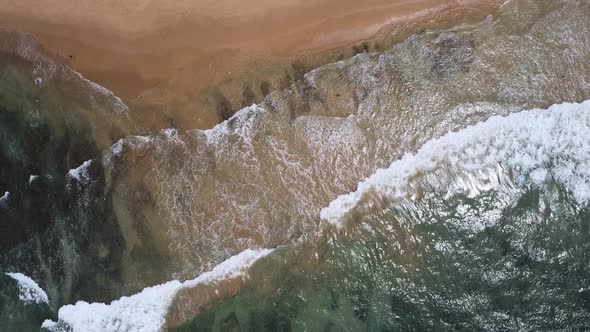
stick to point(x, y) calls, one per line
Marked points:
point(168, 57)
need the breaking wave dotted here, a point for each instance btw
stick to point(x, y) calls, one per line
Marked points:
point(526, 147)
point(29, 290)
point(147, 310)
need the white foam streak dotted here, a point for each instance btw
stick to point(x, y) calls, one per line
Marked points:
point(534, 144)
point(119, 106)
point(242, 123)
point(146, 310)
point(81, 172)
point(28, 290)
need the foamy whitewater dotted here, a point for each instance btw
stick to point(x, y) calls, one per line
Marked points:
point(536, 145)
point(144, 311)
point(81, 171)
point(4, 197)
point(28, 290)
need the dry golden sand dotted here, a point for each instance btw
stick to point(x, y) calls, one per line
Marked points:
point(169, 54)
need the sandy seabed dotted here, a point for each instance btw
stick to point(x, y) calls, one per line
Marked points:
point(171, 52)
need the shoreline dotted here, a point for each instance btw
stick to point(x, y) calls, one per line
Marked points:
point(171, 62)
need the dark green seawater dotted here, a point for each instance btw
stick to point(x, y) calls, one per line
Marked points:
point(527, 271)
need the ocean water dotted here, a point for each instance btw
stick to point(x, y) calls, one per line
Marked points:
point(440, 185)
point(485, 229)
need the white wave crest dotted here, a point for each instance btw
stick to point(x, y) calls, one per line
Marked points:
point(242, 121)
point(4, 197)
point(535, 144)
point(146, 310)
point(28, 290)
point(81, 172)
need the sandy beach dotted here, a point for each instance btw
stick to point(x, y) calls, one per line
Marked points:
point(172, 53)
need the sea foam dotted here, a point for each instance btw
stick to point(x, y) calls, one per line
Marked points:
point(534, 144)
point(146, 310)
point(28, 290)
point(4, 196)
point(81, 172)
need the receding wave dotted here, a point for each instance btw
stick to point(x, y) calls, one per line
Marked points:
point(46, 68)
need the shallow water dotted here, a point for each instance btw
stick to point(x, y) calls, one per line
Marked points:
point(467, 226)
point(190, 64)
